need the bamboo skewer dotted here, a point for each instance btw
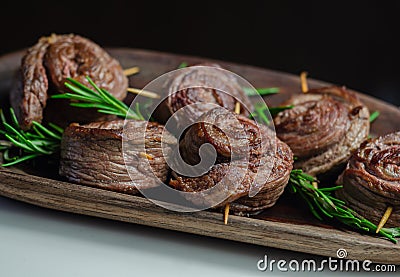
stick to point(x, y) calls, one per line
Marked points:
point(144, 93)
point(134, 70)
point(303, 79)
point(237, 108)
point(147, 156)
point(226, 214)
point(131, 71)
point(384, 218)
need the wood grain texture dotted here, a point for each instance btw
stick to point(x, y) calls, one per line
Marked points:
point(287, 225)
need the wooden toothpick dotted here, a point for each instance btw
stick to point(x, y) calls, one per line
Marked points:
point(303, 79)
point(384, 218)
point(237, 108)
point(226, 214)
point(131, 71)
point(149, 94)
point(147, 156)
point(144, 93)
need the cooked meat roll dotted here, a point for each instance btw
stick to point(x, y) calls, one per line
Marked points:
point(92, 154)
point(323, 128)
point(46, 66)
point(273, 186)
point(371, 180)
point(261, 166)
point(229, 135)
point(201, 85)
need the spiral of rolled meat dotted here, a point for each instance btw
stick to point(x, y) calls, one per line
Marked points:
point(257, 157)
point(46, 66)
point(371, 180)
point(324, 126)
point(205, 83)
point(92, 154)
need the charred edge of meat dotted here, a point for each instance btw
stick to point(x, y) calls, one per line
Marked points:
point(323, 128)
point(371, 180)
point(46, 66)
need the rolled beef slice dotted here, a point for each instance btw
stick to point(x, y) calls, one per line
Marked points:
point(47, 65)
point(92, 154)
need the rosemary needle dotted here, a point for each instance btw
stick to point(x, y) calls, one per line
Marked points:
point(373, 116)
point(261, 109)
point(260, 91)
point(182, 65)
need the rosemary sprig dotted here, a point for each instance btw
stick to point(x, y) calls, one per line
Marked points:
point(98, 98)
point(260, 91)
point(323, 205)
point(373, 116)
point(275, 110)
point(21, 146)
point(260, 110)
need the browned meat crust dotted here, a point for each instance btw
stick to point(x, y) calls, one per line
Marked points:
point(258, 140)
point(323, 128)
point(92, 154)
point(182, 92)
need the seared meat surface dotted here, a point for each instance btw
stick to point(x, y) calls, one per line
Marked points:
point(323, 128)
point(93, 154)
point(249, 156)
point(201, 85)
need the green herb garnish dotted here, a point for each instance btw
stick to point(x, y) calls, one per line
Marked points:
point(99, 99)
point(261, 109)
point(324, 206)
point(260, 91)
point(182, 65)
point(373, 116)
point(275, 110)
point(21, 145)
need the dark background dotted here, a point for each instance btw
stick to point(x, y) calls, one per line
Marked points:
point(352, 44)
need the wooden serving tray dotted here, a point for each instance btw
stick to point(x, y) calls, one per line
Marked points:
point(287, 225)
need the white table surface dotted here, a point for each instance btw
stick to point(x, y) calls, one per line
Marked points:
point(42, 242)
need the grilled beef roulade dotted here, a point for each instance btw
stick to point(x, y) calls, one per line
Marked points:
point(266, 165)
point(273, 185)
point(371, 180)
point(323, 128)
point(92, 154)
point(205, 84)
point(46, 66)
